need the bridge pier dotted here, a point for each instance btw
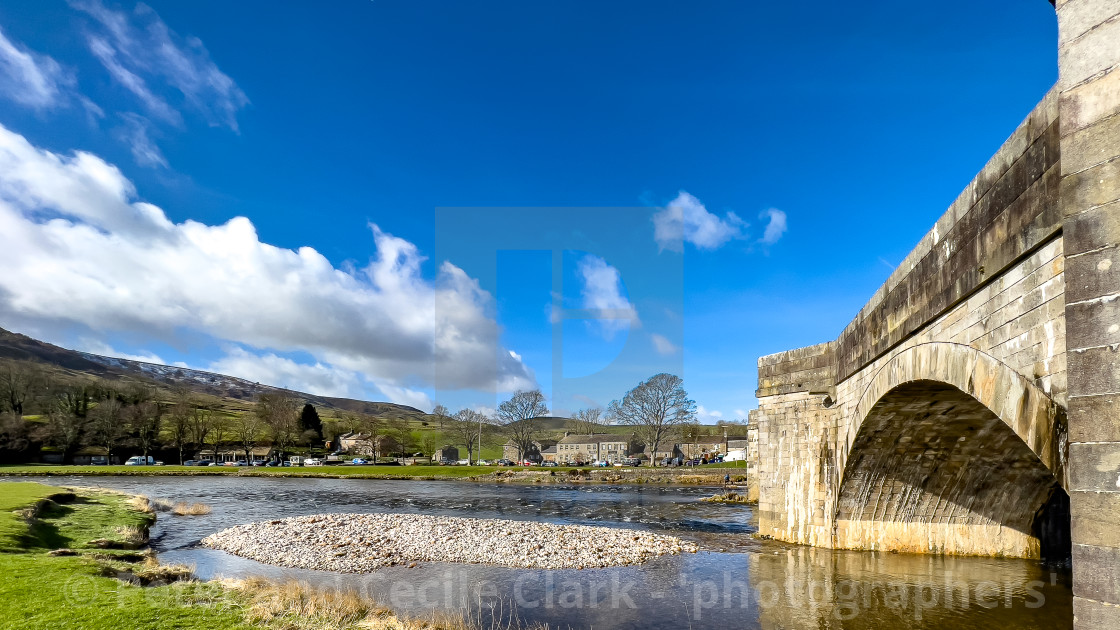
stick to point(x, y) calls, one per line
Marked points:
point(1089, 106)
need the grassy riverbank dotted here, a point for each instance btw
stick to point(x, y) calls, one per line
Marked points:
point(70, 561)
point(43, 590)
point(698, 475)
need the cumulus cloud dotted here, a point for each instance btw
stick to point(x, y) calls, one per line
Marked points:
point(146, 57)
point(662, 345)
point(601, 291)
point(81, 249)
point(775, 225)
point(686, 220)
point(29, 78)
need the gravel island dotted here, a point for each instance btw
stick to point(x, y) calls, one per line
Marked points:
point(360, 543)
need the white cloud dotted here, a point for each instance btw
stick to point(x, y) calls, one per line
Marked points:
point(663, 345)
point(601, 291)
point(686, 220)
point(80, 249)
point(775, 226)
point(135, 134)
point(96, 346)
point(30, 79)
point(140, 51)
point(708, 416)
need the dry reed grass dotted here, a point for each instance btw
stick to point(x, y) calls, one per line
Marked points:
point(132, 534)
point(182, 508)
point(297, 605)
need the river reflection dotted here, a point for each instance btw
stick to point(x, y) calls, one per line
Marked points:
point(734, 582)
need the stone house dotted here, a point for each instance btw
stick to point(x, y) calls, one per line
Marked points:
point(230, 454)
point(608, 447)
point(511, 452)
point(446, 454)
point(367, 445)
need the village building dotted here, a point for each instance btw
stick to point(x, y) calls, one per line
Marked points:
point(597, 447)
point(446, 454)
point(511, 451)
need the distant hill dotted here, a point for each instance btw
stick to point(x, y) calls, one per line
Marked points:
point(14, 346)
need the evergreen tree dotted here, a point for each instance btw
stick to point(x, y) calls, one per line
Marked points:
point(309, 420)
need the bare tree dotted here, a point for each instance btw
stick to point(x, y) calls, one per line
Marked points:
point(655, 408)
point(247, 431)
point(587, 420)
point(143, 421)
point(280, 413)
point(219, 433)
point(179, 421)
point(401, 432)
point(442, 415)
point(518, 417)
point(106, 425)
point(18, 384)
point(201, 424)
point(65, 430)
point(467, 429)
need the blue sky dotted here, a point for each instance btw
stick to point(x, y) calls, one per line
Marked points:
point(424, 202)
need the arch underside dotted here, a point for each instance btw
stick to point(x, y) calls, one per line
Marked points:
point(934, 470)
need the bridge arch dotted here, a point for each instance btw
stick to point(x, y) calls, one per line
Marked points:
point(952, 451)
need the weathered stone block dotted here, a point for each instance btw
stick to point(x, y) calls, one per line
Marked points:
point(1076, 17)
point(1093, 53)
point(1094, 419)
point(1096, 274)
point(1090, 102)
point(1093, 615)
point(1095, 466)
point(1096, 371)
point(1091, 145)
point(1094, 572)
point(1094, 518)
point(1090, 230)
point(1092, 187)
point(1093, 323)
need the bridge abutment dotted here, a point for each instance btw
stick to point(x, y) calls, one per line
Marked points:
point(1089, 104)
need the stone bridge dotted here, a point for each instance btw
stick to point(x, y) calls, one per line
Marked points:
point(973, 404)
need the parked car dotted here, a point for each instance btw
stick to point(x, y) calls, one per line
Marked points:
point(312, 461)
point(241, 462)
point(601, 464)
point(549, 464)
point(190, 462)
point(358, 461)
point(214, 464)
point(504, 462)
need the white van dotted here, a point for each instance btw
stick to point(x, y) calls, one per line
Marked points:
point(295, 460)
point(140, 460)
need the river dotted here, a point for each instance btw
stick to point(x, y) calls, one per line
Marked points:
point(735, 581)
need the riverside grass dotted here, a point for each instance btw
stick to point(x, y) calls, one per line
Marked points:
point(711, 474)
point(79, 589)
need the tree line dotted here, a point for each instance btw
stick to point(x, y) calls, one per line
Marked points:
point(40, 412)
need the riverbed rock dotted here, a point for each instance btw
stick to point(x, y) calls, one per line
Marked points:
point(360, 543)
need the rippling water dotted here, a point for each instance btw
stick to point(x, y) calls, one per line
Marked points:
point(734, 582)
